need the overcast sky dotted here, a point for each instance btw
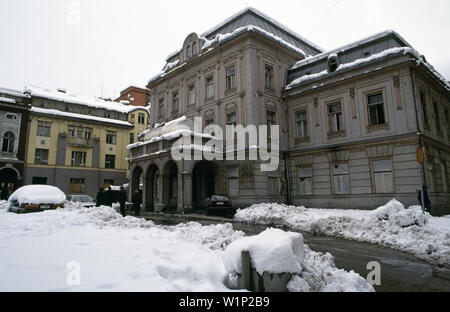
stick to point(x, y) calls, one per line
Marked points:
point(99, 47)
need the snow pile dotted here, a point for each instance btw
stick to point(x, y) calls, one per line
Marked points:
point(395, 212)
point(276, 251)
point(391, 225)
point(4, 206)
point(38, 194)
point(271, 251)
point(215, 237)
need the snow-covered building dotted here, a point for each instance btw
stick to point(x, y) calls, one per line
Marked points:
point(348, 119)
point(14, 107)
point(79, 143)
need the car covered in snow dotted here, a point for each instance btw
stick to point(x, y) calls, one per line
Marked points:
point(34, 198)
point(85, 200)
point(220, 205)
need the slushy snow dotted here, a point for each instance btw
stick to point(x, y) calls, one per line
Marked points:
point(391, 225)
point(115, 253)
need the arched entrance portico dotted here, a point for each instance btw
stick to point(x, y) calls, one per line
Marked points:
point(8, 179)
point(136, 181)
point(170, 186)
point(204, 183)
point(152, 188)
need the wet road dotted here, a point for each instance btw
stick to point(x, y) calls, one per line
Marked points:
point(400, 271)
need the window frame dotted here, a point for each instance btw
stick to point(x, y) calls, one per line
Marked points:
point(373, 173)
point(110, 161)
point(40, 162)
point(333, 175)
point(338, 132)
point(190, 92)
point(299, 177)
point(368, 94)
point(43, 125)
point(303, 138)
point(82, 159)
point(175, 102)
point(111, 137)
point(211, 87)
point(270, 86)
point(11, 142)
point(230, 79)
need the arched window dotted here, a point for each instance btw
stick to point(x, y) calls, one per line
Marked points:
point(8, 142)
point(194, 49)
point(189, 51)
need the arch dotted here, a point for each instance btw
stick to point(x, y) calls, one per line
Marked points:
point(136, 180)
point(9, 177)
point(8, 142)
point(170, 185)
point(204, 183)
point(152, 187)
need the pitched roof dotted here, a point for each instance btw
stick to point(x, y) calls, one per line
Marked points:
point(252, 16)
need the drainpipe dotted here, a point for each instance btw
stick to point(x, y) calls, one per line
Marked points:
point(423, 181)
point(286, 155)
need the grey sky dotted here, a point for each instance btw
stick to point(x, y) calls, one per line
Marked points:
point(117, 43)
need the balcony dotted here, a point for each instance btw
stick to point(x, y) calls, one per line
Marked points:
point(79, 142)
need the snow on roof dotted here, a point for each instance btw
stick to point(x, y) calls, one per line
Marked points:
point(55, 112)
point(367, 60)
point(353, 45)
point(168, 131)
point(12, 92)
point(7, 100)
point(38, 194)
point(267, 18)
point(75, 99)
point(223, 38)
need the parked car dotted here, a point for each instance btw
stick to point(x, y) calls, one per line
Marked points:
point(85, 200)
point(34, 198)
point(220, 205)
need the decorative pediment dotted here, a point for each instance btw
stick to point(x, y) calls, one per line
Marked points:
point(230, 106)
point(380, 151)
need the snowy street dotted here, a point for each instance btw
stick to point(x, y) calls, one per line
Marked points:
point(79, 249)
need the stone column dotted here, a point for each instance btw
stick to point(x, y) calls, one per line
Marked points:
point(187, 191)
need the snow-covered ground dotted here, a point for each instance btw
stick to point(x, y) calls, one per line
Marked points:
point(43, 251)
point(391, 225)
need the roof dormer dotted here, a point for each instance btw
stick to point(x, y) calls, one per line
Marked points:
point(191, 47)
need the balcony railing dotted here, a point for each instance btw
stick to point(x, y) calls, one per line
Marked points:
point(79, 142)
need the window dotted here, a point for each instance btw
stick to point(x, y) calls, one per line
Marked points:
point(41, 156)
point(436, 115)
point(8, 142)
point(77, 186)
point(209, 87)
point(302, 125)
point(11, 116)
point(88, 133)
point(71, 131)
point(107, 183)
point(175, 103)
point(194, 49)
point(189, 51)
point(231, 78)
point(131, 138)
point(269, 77)
point(423, 103)
point(429, 175)
point(375, 109)
point(335, 121)
point(78, 159)
point(141, 118)
point(79, 132)
point(231, 119)
point(270, 122)
point(43, 129)
point(39, 180)
point(233, 182)
point(111, 137)
point(382, 176)
point(191, 94)
point(444, 173)
point(110, 161)
point(341, 179)
point(132, 118)
point(305, 180)
point(161, 108)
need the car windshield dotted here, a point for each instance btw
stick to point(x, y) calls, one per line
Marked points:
point(82, 199)
point(219, 198)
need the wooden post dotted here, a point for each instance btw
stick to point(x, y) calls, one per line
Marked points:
point(246, 270)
